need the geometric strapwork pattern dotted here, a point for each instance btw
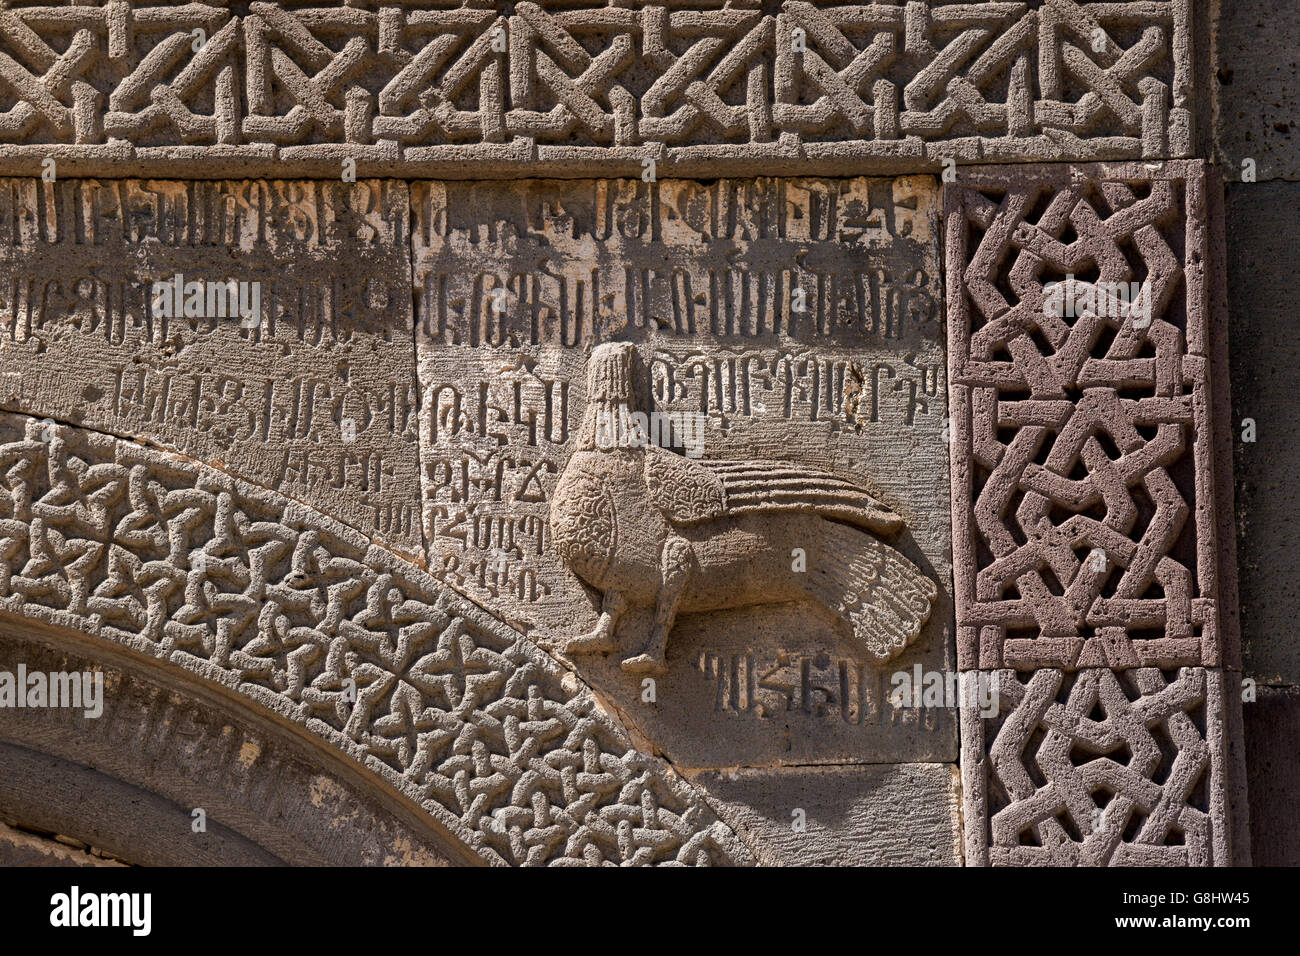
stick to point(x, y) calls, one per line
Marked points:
point(577, 84)
point(1098, 768)
point(1083, 501)
point(305, 617)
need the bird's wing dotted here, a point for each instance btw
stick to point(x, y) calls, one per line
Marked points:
point(690, 490)
point(685, 490)
point(768, 486)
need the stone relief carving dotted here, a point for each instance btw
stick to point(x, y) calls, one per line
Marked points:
point(770, 308)
point(301, 615)
point(128, 778)
point(800, 319)
point(1084, 516)
point(643, 525)
point(789, 322)
point(447, 88)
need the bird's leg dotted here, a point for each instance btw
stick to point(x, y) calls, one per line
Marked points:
point(602, 638)
point(675, 569)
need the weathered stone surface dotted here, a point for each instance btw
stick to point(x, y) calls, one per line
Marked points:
point(1263, 259)
point(1086, 516)
point(1224, 435)
point(741, 87)
point(901, 815)
point(789, 333)
point(313, 396)
point(608, 348)
point(305, 618)
point(1082, 458)
point(1256, 89)
point(1272, 741)
point(21, 848)
point(1098, 767)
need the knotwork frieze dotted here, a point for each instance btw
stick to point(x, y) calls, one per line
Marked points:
point(562, 88)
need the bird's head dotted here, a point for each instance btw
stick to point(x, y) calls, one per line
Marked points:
point(610, 397)
point(609, 374)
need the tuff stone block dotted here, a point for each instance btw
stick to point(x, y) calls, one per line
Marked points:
point(1083, 495)
point(776, 685)
point(117, 312)
point(1255, 89)
point(781, 340)
point(891, 815)
point(1263, 260)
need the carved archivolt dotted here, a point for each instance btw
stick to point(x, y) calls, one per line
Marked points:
point(303, 616)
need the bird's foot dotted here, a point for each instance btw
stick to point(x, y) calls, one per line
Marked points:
point(590, 643)
point(651, 664)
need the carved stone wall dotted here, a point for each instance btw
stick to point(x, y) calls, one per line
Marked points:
point(291, 610)
point(314, 396)
point(577, 433)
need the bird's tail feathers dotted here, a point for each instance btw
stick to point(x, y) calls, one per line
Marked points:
point(879, 592)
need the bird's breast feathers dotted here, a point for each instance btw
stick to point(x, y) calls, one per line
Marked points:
point(583, 524)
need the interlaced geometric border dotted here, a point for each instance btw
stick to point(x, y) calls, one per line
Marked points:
point(478, 89)
point(1097, 768)
point(1082, 493)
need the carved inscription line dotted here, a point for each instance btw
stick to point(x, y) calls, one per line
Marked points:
point(774, 686)
point(570, 308)
point(261, 215)
point(579, 263)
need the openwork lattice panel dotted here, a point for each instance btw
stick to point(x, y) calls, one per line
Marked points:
point(1097, 768)
point(1083, 500)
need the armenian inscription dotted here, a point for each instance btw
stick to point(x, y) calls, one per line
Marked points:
point(264, 327)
